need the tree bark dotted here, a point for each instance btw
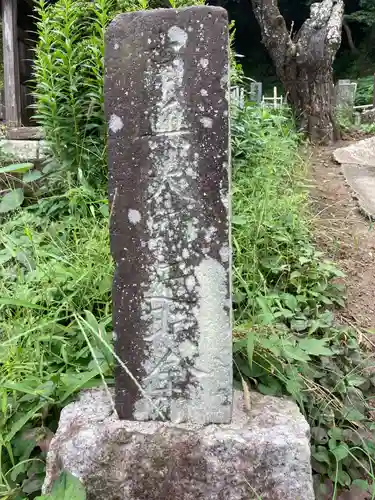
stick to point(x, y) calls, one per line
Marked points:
point(349, 36)
point(304, 61)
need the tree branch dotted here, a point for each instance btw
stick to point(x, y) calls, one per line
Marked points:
point(349, 36)
point(323, 29)
point(275, 34)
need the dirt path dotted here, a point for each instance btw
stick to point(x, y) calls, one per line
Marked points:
point(346, 235)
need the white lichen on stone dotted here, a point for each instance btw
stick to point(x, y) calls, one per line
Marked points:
point(134, 216)
point(184, 312)
point(206, 122)
point(178, 37)
point(115, 123)
point(224, 253)
point(204, 62)
point(190, 283)
point(215, 333)
point(185, 253)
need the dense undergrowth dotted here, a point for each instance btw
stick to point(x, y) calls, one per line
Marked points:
point(286, 339)
point(55, 271)
point(365, 91)
point(55, 308)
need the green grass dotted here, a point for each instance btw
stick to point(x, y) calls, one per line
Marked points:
point(55, 311)
point(286, 339)
point(365, 91)
point(267, 221)
point(54, 292)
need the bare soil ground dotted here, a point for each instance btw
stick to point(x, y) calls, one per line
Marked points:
point(346, 236)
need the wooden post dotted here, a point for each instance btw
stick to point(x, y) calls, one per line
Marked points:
point(11, 64)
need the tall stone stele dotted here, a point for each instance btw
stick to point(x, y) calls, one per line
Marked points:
point(166, 91)
point(166, 99)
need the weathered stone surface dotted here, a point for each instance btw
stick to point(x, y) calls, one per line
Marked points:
point(360, 153)
point(166, 90)
point(368, 116)
point(263, 453)
point(24, 133)
point(345, 91)
point(21, 150)
point(24, 151)
point(358, 165)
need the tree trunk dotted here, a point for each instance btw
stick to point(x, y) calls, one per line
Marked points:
point(349, 36)
point(304, 62)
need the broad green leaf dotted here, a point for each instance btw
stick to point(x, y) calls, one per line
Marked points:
point(67, 487)
point(355, 380)
point(319, 435)
point(238, 345)
point(304, 260)
point(74, 382)
point(8, 301)
point(32, 485)
point(315, 347)
point(20, 468)
point(340, 452)
point(290, 301)
point(294, 352)
point(5, 256)
point(11, 200)
point(238, 220)
point(32, 176)
point(322, 455)
point(20, 423)
point(352, 415)
point(104, 210)
point(286, 313)
point(270, 390)
point(299, 325)
point(91, 320)
point(267, 316)
point(250, 348)
point(343, 478)
point(335, 433)
point(294, 275)
point(361, 484)
point(16, 167)
point(294, 387)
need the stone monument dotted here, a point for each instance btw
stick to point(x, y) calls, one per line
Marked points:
point(345, 91)
point(174, 435)
point(166, 94)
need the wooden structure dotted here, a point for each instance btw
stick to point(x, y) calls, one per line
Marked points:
point(18, 42)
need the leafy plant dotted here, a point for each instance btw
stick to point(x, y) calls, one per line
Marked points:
point(55, 279)
point(69, 84)
point(66, 487)
point(55, 264)
point(365, 91)
point(327, 373)
point(286, 341)
point(69, 74)
point(13, 197)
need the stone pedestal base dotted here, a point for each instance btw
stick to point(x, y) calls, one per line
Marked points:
point(264, 453)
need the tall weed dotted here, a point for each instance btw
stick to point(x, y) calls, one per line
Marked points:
point(69, 72)
point(286, 340)
point(55, 277)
